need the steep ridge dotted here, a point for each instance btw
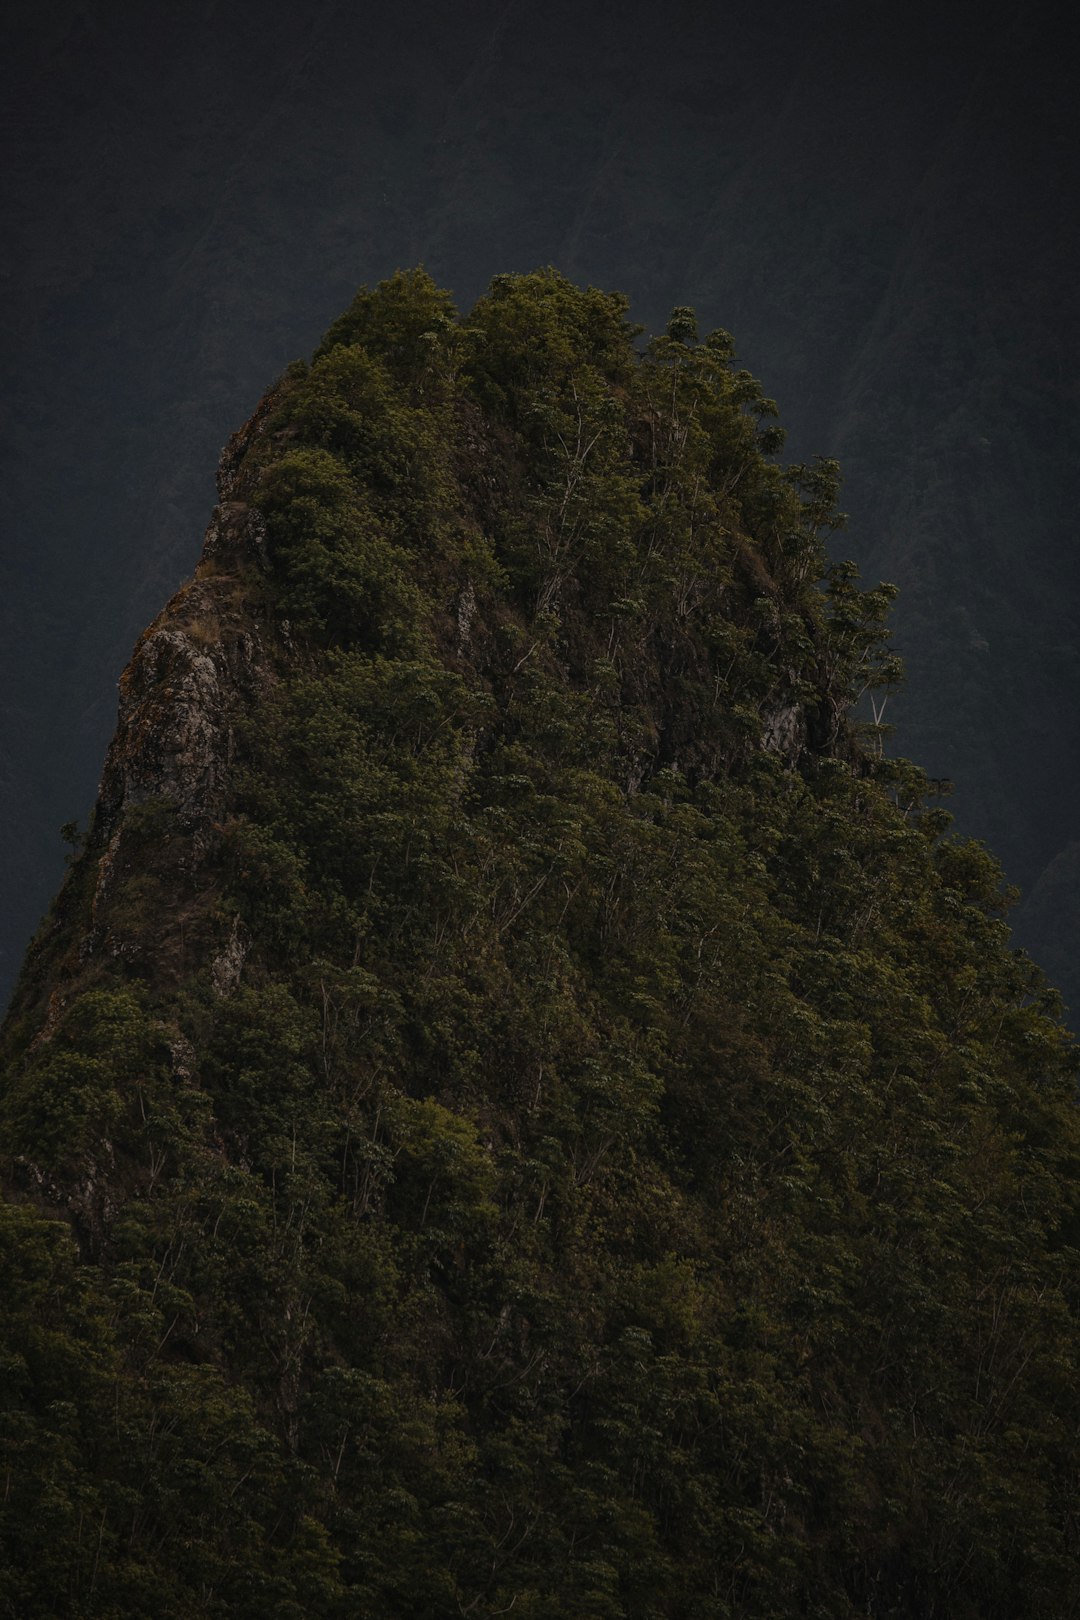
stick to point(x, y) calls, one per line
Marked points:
point(520, 1104)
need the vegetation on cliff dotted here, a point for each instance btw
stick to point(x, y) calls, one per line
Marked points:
point(520, 1105)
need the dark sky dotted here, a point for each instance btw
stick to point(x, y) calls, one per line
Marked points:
point(879, 201)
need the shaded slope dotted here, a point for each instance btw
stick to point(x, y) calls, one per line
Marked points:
point(517, 1104)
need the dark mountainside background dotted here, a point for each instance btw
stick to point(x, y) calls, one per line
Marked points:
point(878, 202)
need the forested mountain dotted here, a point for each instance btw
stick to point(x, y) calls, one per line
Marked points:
point(879, 201)
point(521, 1104)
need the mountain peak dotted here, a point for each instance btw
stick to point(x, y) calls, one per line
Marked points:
point(520, 1104)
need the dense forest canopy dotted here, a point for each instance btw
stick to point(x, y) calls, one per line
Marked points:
point(521, 1104)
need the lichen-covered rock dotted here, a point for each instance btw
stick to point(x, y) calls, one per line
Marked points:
point(784, 732)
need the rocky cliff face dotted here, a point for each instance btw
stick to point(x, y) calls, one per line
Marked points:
point(191, 667)
point(166, 778)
